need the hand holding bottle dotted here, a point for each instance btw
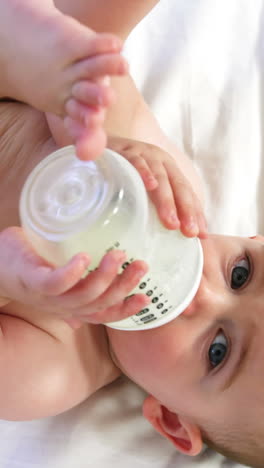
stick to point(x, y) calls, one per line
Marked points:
point(177, 204)
point(99, 297)
point(68, 206)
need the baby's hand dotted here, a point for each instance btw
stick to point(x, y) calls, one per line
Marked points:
point(177, 204)
point(99, 297)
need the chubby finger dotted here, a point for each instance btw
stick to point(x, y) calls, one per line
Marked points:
point(186, 211)
point(130, 306)
point(114, 300)
point(87, 116)
point(189, 208)
point(202, 223)
point(103, 43)
point(100, 65)
point(95, 283)
point(141, 165)
point(89, 143)
point(52, 281)
point(93, 94)
point(196, 218)
point(123, 284)
point(163, 198)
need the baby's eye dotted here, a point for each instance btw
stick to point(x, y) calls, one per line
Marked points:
point(218, 349)
point(240, 273)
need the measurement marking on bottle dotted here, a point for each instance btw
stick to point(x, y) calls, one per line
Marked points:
point(149, 293)
point(143, 311)
point(148, 318)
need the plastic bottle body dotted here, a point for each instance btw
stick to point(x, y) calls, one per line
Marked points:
point(175, 270)
point(69, 206)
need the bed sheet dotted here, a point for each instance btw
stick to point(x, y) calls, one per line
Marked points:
point(199, 64)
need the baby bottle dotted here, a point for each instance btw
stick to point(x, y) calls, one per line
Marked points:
point(69, 206)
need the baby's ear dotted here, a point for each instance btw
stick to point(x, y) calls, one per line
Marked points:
point(184, 435)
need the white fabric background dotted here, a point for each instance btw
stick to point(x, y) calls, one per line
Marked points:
point(199, 64)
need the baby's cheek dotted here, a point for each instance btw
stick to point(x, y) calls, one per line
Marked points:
point(140, 353)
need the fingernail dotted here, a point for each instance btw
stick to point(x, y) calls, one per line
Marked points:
point(106, 80)
point(120, 256)
point(85, 263)
point(151, 180)
point(192, 226)
point(141, 273)
point(173, 218)
point(117, 257)
point(124, 67)
point(203, 225)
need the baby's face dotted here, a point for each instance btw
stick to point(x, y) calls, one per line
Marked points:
point(210, 359)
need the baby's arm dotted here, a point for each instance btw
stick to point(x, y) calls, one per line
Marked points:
point(43, 372)
point(113, 16)
point(129, 117)
point(46, 366)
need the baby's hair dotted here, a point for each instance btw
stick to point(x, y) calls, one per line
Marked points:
point(245, 447)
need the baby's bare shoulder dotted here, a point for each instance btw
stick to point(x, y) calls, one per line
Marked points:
point(59, 366)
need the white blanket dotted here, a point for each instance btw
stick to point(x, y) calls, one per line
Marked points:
point(199, 64)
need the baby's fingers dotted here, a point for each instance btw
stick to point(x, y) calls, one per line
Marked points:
point(95, 283)
point(88, 117)
point(130, 306)
point(93, 93)
point(193, 222)
point(189, 209)
point(52, 282)
point(114, 304)
point(163, 197)
point(141, 165)
point(89, 142)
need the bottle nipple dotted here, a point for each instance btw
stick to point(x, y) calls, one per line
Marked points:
point(65, 192)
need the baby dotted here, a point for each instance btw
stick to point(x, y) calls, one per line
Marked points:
point(208, 361)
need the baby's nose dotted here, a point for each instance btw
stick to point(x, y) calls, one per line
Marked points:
point(206, 300)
